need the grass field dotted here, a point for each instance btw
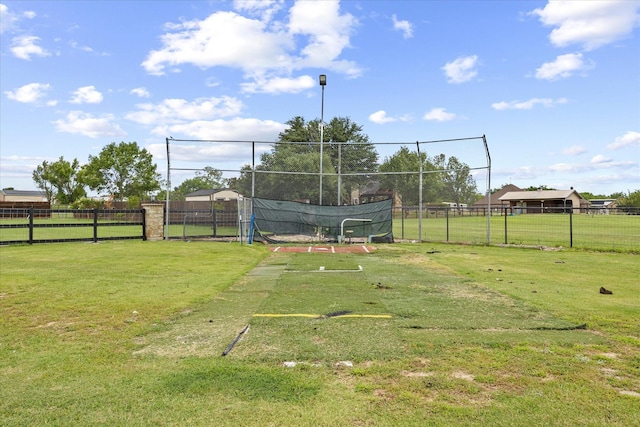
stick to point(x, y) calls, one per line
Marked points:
point(132, 333)
point(599, 232)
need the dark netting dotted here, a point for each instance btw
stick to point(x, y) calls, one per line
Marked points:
point(280, 221)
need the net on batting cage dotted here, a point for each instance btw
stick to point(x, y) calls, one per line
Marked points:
point(277, 221)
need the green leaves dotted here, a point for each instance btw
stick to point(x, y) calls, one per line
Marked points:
point(121, 171)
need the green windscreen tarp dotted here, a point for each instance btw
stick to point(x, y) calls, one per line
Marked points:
point(284, 221)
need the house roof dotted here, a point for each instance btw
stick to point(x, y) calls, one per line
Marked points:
point(602, 202)
point(23, 193)
point(208, 192)
point(495, 197)
point(540, 195)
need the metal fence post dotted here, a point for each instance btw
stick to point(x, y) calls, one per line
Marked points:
point(95, 226)
point(571, 228)
point(505, 210)
point(31, 225)
point(446, 215)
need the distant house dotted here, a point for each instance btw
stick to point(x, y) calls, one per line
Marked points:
point(603, 205)
point(496, 203)
point(541, 201)
point(213, 195)
point(22, 196)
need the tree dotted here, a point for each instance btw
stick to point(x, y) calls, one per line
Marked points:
point(60, 180)
point(406, 185)
point(121, 171)
point(208, 178)
point(458, 185)
point(43, 177)
point(346, 149)
point(630, 200)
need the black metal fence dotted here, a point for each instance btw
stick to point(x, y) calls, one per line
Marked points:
point(598, 229)
point(31, 225)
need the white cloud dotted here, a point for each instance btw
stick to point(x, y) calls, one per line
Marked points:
point(78, 122)
point(403, 26)
point(599, 158)
point(461, 70)
point(528, 105)
point(574, 150)
point(629, 139)
point(86, 95)
point(564, 66)
point(234, 129)
point(590, 24)
point(30, 93)
point(9, 20)
point(265, 9)
point(181, 110)
point(26, 46)
point(260, 47)
point(439, 115)
point(142, 92)
point(380, 117)
point(279, 85)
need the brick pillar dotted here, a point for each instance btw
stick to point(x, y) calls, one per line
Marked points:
point(154, 221)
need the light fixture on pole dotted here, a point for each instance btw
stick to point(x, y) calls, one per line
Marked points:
point(323, 83)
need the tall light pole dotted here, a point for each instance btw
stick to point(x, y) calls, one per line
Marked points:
point(323, 83)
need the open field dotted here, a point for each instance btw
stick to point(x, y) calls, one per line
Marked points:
point(599, 232)
point(131, 333)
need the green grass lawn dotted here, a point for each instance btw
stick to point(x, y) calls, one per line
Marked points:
point(132, 333)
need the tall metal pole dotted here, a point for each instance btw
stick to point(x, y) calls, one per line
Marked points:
point(323, 83)
point(166, 229)
point(486, 150)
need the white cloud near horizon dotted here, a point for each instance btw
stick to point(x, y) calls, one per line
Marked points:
point(528, 105)
point(78, 122)
point(30, 93)
point(461, 69)
point(405, 27)
point(629, 139)
point(86, 95)
point(264, 49)
point(380, 117)
point(590, 24)
point(439, 115)
point(235, 129)
point(564, 66)
point(177, 110)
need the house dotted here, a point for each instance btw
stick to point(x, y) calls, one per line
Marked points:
point(545, 201)
point(213, 195)
point(496, 203)
point(22, 196)
point(602, 206)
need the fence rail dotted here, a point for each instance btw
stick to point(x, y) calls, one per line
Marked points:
point(598, 229)
point(611, 229)
point(31, 225)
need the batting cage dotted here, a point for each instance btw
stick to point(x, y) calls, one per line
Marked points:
point(277, 221)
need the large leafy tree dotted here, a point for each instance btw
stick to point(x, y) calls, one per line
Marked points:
point(62, 179)
point(122, 171)
point(346, 149)
point(458, 185)
point(403, 177)
point(207, 178)
point(43, 177)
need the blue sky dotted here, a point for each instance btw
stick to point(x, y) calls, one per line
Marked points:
point(554, 86)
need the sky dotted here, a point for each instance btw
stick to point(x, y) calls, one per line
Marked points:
point(554, 86)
